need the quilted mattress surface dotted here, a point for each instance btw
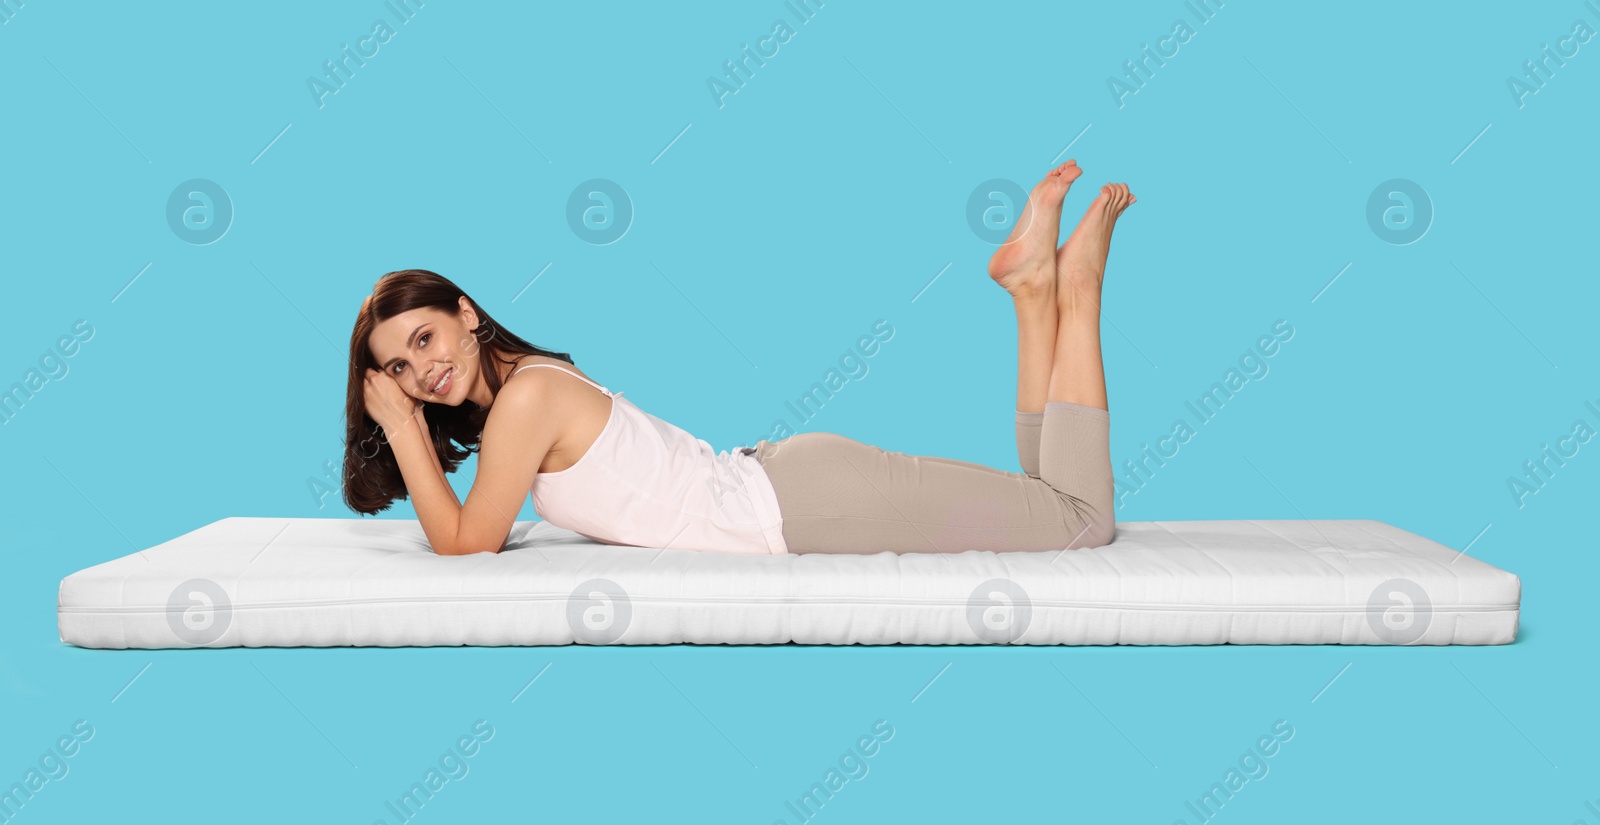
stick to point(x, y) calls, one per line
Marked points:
point(307, 582)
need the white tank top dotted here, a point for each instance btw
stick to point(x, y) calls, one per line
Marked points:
point(647, 483)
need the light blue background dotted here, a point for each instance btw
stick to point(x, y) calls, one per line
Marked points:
point(824, 196)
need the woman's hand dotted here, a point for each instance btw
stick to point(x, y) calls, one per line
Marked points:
point(388, 405)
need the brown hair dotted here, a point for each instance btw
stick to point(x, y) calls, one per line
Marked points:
point(372, 479)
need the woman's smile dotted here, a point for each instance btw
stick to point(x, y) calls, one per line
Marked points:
point(444, 383)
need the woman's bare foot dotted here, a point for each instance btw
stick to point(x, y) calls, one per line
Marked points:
point(1022, 264)
point(1081, 261)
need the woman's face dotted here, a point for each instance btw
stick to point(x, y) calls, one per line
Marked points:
point(432, 355)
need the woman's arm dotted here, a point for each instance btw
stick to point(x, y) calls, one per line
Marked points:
point(433, 452)
point(431, 495)
point(515, 439)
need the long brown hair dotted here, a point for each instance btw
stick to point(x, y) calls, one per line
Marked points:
point(372, 479)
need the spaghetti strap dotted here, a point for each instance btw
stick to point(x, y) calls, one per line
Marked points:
point(608, 393)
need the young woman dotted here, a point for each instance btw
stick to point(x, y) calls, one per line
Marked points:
point(430, 370)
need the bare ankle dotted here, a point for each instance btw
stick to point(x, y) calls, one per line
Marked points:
point(1032, 294)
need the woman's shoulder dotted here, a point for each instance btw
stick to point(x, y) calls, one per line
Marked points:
point(574, 413)
point(520, 369)
point(549, 389)
point(534, 394)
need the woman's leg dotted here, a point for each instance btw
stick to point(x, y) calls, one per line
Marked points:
point(1074, 449)
point(1026, 266)
point(1062, 332)
point(1030, 429)
point(838, 495)
point(1077, 374)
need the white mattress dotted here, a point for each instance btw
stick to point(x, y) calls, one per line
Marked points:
point(274, 582)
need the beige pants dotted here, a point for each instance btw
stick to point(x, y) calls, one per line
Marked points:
point(838, 495)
